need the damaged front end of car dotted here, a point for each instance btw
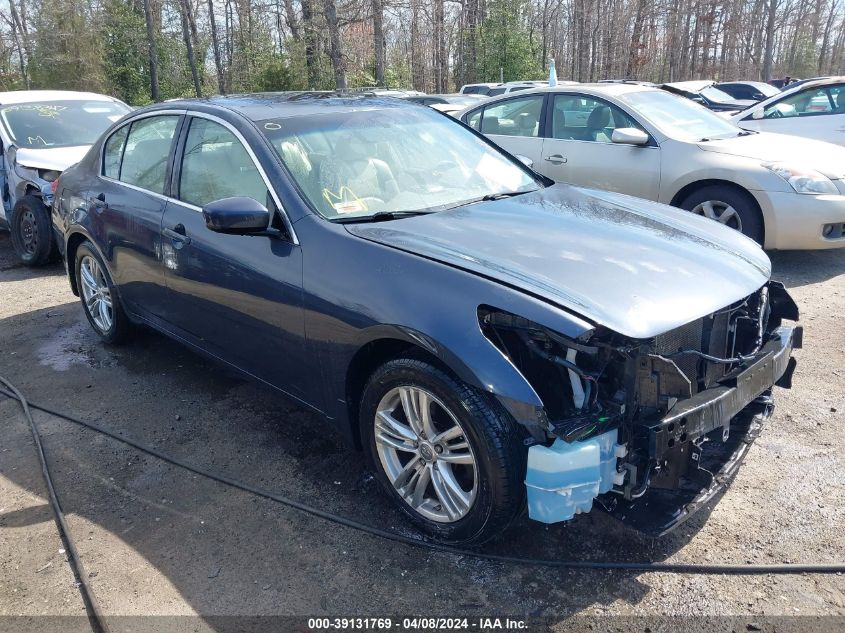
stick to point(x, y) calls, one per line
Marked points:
point(648, 430)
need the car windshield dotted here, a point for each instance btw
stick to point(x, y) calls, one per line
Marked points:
point(354, 165)
point(680, 118)
point(716, 95)
point(59, 123)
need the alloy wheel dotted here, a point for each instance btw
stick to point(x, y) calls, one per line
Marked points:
point(425, 454)
point(721, 212)
point(96, 293)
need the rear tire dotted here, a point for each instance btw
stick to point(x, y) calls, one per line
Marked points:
point(730, 206)
point(100, 301)
point(32, 231)
point(463, 488)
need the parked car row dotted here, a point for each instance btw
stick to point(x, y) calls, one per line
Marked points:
point(489, 338)
point(783, 192)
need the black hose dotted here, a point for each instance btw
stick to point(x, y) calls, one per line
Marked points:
point(92, 608)
point(676, 568)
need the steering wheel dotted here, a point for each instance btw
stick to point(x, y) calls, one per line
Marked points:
point(775, 114)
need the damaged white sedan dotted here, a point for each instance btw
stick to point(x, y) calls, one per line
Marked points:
point(43, 132)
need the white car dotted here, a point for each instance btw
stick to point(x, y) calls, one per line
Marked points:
point(43, 132)
point(814, 109)
point(784, 192)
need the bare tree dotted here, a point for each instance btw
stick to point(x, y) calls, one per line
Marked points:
point(335, 50)
point(153, 51)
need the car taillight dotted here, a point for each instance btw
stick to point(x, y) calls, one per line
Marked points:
point(54, 186)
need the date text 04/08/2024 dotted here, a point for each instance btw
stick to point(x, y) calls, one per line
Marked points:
point(417, 624)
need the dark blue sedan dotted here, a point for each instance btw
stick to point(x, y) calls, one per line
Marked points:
point(485, 336)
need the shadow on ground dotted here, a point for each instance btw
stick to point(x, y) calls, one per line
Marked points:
point(226, 552)
point(799, 268)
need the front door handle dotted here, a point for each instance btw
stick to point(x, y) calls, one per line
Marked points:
point(177, 234)
point(555, 159)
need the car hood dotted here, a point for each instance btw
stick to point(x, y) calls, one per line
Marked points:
point(55, 158)
point(827, 158)
point(636, 267)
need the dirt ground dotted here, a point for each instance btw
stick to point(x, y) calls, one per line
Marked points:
point(159, 540)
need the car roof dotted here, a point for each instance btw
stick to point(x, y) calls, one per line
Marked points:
point(814, 83)
point(29, 96)
point(278, 105)
point(742, 82)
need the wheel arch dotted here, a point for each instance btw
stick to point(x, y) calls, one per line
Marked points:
point(72, 242)
point(684, 192)
point(481, 365)
point(370, 357)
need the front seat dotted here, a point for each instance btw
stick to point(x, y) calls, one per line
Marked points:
point(351, 174)
point(840, 101)
point(598, 120)
point(490, 124)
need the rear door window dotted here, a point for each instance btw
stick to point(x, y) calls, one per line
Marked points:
point(113, 153)
point(514, 117)
point(147, 151)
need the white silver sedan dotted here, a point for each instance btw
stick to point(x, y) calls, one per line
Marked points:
point(814, 109)
point(783, 191)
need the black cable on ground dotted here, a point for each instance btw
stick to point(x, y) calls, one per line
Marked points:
point(675, 568)
point(88, 598)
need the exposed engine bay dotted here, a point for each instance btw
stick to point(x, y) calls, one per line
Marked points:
point(684, 405)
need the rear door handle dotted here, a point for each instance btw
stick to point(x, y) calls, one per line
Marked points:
point(555, 159)
point(177, 234)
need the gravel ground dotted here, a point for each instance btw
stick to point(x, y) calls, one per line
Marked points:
point(159, 540)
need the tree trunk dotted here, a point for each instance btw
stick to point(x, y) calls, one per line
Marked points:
point(293, 23)
point(20, 30)
point(184, 10)
point(215, 45)
point(151, 45)
point(440, 61)
point(636, 34)
point(470, 53)
point(310, 43)
point(766, 73)
point(335, 49)
point(378, 39)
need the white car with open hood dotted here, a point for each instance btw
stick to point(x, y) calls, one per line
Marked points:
point(43, 132)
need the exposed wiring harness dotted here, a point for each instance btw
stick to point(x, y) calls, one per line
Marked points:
point(99, 625)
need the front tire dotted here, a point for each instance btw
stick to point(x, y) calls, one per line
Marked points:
point(32, 231)
point(727, 205)
point(448, 454)
point(100, 301)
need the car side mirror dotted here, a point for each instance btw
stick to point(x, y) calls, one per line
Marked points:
point(757, 114)
point(629, 136)
point(239, 216)
point(525, 160)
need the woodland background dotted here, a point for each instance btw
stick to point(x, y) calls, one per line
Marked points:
point(149, 50)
